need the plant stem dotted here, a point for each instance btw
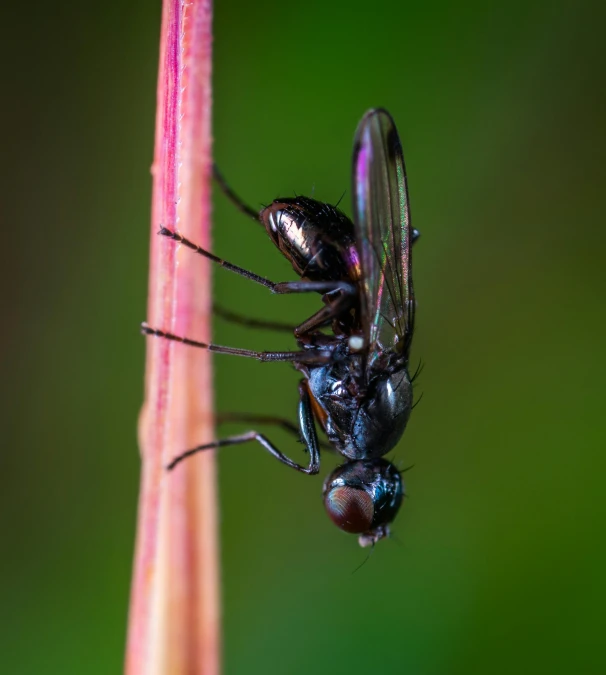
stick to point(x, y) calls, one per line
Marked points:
point(174, 612)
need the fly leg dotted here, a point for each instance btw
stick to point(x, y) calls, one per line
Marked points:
point(233, 197)
point(344, 300)
point(312, 338)
point(285, 424)
point(278, 288)
point(247, 418)
point(341, 294)
point(306, 356)
point(326, 314)
point(180, 239)
point(308, 435)
point(233, 317)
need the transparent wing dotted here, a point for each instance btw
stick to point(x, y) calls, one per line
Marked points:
point(383, 235)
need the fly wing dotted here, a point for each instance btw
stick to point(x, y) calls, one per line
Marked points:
point(383, 235)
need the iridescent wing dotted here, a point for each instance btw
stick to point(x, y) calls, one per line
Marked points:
point(383, 235)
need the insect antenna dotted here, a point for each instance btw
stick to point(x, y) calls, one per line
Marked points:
point(340, 198)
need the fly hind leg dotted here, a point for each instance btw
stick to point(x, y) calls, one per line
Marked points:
point(270, 420)
point(340, 297)
point(234, 317)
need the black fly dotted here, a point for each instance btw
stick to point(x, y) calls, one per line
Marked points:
point(356, 383)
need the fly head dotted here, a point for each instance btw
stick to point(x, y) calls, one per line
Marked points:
point(362, 497)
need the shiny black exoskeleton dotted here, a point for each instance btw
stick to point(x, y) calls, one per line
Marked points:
point(356, 383)
point(317, 238)
point(363, 497)
point(363, 419)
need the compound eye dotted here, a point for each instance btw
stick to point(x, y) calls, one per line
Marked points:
point(363, 497)
point(350, 508)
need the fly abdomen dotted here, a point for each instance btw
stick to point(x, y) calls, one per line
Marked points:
point(316, 238)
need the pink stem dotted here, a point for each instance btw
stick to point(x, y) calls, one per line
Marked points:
point(174, 611)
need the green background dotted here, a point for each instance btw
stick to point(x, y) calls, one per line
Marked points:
point(500, 559)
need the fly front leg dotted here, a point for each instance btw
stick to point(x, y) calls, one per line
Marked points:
point(308, 435)
point(307, 427)
point(270, 420)
point(248, 418)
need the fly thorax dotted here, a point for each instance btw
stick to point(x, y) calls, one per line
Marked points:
point(362, 421)
point(383, 415)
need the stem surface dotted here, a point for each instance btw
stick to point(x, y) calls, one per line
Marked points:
point(174, 610)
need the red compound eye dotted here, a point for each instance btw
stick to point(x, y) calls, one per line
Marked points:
point(350, 509)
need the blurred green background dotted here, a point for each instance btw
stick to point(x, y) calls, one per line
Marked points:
point(500, 559)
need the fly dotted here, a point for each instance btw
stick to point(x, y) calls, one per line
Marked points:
point(356, 385)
